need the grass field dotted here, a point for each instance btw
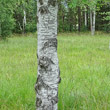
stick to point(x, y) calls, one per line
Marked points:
point(85, 70)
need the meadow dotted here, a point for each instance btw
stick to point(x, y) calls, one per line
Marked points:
point(85, 71)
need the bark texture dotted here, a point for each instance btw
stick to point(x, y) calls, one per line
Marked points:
point(48, 76)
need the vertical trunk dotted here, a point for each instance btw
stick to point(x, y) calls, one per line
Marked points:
point(20, 26)
point(87, 18)
point(85, 14)
point(79, 19)
point(92, 21)
point(24, 21)
point(48, 70)
point(94, 16)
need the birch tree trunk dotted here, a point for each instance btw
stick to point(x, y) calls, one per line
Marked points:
point(48, 76)
point(94, 16)
point(85, 14)
point(24, 21)
point(92, 21)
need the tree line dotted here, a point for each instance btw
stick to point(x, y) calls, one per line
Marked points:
point(20, 16)
point(84, 15)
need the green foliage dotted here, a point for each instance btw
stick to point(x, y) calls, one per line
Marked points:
point(31, 26)
point(30, 7)
point(69, 18)
point(103, 17)
point(107, 28)
point(107, 18)
point(6, 18)
point(7, 26)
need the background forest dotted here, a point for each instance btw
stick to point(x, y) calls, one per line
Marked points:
point(20, 16)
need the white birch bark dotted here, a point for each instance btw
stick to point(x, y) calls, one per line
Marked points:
point(48, 76)
point(24, 20)
point(92, 21)
point(20, 26)
point(85, 18)
point(94, 17)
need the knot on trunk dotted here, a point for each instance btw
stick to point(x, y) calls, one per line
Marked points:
point(43, 10)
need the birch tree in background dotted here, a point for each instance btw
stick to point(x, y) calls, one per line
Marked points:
point(92, 20)
point(92, 5)
point(48, 76)
point(24, 21)
point(85, 17)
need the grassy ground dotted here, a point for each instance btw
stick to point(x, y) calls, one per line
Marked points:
point(85, 70)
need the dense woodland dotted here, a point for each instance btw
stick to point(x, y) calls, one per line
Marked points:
point(20, 16)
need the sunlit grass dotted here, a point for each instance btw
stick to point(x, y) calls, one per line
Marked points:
point(85, 70)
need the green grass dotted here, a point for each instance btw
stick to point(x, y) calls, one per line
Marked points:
point(85, 70)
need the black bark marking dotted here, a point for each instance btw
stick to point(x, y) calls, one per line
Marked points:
point(41, 2)
point(44, 62)
point(55, 100)
point(40, 83)
point(50, 43)
point(43, 10)
point(37, 56)
point(59, 80)
point(37, 19)
point(45, 107)
point(38, 102)
point(59, 77)
point(52, 2)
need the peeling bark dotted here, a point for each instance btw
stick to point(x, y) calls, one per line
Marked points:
point(48, 76)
